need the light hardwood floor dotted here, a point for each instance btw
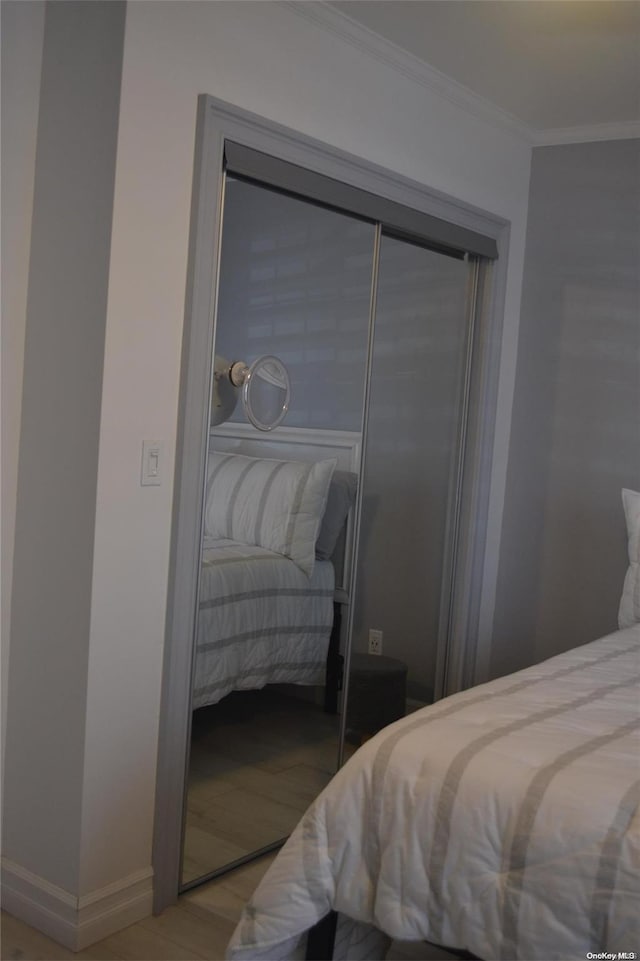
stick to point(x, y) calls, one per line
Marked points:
point(257, 761)
point(198, 926)
point(253, 774)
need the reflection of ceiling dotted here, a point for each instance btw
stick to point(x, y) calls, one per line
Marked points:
point(548, 63)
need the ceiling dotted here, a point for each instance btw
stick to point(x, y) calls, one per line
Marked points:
point(548, 63)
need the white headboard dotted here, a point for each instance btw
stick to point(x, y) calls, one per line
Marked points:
point(297, 443)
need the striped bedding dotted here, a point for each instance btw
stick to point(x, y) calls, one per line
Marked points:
point(261, 620)
point(502, 821)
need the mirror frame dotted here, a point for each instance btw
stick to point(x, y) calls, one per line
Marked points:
point(249, 407)
point(218, 121)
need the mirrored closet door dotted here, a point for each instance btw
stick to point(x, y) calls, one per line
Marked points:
point(410, 491)
point(295, 282)
point(328, 549)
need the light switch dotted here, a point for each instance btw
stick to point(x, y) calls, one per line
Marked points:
point(151, 474)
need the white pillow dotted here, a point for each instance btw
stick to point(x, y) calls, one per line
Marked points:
point(276, 504)
point(629, 612)
point(342, 494)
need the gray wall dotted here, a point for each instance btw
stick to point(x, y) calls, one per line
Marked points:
point(21, 34)
point(575, 438)
point(58, 460)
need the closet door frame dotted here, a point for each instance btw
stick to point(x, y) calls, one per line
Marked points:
point(218, 122)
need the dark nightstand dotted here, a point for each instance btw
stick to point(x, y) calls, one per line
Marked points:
point(377, 695)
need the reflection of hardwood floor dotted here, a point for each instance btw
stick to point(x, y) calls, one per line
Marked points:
point(258, 759)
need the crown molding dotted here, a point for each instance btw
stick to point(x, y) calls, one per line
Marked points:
point(340, 25)
point(625, 130)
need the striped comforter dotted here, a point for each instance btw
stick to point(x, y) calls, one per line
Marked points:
point(502, 820)
point(261, 620)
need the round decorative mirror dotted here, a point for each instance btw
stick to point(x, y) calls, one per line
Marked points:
point(265, 388)
point(266, 392)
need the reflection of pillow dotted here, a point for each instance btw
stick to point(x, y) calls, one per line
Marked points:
point(276, 504)
point(342, 493)
point(629, 612)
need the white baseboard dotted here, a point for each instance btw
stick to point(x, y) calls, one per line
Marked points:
point(75, 922)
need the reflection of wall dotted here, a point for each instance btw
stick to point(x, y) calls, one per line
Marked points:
point(412, 436)
point(575, 439)
point(295, 281)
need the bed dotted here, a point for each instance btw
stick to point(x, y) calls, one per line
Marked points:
point(501, 821)
point(274, 560)
point(261, 620)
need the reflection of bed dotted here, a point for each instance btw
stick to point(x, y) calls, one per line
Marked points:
point(261, 620)
point(275, 518)
point(501, 821)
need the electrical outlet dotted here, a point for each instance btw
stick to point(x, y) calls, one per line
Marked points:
point(375, 641)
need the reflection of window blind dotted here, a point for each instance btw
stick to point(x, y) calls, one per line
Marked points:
point(295, 281)
point(396, 218)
